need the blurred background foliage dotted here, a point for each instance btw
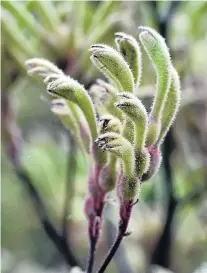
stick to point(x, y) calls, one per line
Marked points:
point(170, 223)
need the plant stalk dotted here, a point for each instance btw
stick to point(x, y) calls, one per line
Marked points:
point(125, 214)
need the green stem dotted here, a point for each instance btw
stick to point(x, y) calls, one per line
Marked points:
point(128, 131)
point(140, 136)
point(129, 164)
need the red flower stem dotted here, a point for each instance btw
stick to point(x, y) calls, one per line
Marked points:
point(94, 215)
point(94, 232)
point(125, 214)
point(93, 243)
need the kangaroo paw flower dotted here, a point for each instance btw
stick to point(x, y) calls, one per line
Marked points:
point(42, 67)
point(155, 161)
point(171, 106)
point(120, 147)
point(135, 110)
point(130, 49)
point(109, 123)
point(158, 53)
point(113, 65)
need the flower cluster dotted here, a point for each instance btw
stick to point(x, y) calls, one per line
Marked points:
point(125, 141)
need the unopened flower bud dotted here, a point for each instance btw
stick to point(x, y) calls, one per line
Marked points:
point(135, 110)
point(171, 106)
point(108, 98)
point(71, 90)
point(130, 49)
point(158, 52)
point(154, 127)
point(113, 65)
point(109, 123)
point(120, 147)
point(42, 67)
point(155, 161)
point(142, 161)
point(128, 188)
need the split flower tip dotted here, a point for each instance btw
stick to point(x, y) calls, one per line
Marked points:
point(109, 123)
point(120, 34)
point(41, 67)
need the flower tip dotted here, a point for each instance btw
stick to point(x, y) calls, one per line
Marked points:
point(143, 34)
point(119, 34)
point(121, 104)
point(141, 28)
point(95, 47)
point(125, 95)
point(29, 63)
point(50, 86)
point(97, 140)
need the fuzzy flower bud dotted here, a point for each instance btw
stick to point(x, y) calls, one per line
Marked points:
point(112, 64)
point(135, 110)
point(107, 97)
point(155, 161)
point(142, 161)
point(158, 53)
point(108, 175)
point(171, 106)
point(52, 77)
point(128, 188)
point(120, 147)
point(41, 67)
point(130, 49)
point(109, 123)
point(154, 127)
point(71, 90)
